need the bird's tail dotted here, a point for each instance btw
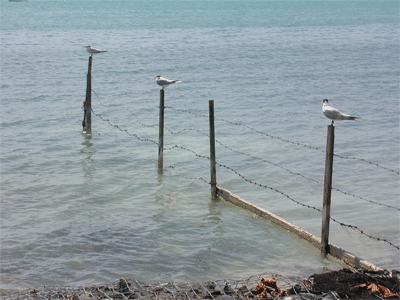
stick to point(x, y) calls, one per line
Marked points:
point(176, 81)
point(353, 118)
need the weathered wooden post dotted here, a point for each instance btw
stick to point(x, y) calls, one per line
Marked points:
point(212, 150)
point(87, 105)
point(326, 213)
point(161, 133)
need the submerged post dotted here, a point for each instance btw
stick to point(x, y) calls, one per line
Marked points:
point(326, 213)
point(161, 133)
point(212, 150)
point(87, 105)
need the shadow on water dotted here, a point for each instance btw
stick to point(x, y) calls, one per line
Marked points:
point(88, 163)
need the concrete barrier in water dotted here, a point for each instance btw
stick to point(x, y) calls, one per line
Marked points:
point(335, 251)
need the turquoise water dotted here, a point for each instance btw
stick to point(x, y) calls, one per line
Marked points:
point(78, 210)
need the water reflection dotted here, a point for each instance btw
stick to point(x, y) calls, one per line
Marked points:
point(160, 176)
point(215, 216)
point(215, 211)
point(88, 163)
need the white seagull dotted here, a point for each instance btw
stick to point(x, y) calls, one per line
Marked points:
point(93, 50)
point(164, 82)
point(334, 114)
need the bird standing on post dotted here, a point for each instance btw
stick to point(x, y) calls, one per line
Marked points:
point(334, 114)
point(93, 50)
point(164, 82)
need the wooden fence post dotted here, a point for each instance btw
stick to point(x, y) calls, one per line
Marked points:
point(87, 118)
point(161, 133)
point(326, 213)
point(212, 150)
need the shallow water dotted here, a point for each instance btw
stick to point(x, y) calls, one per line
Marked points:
point(80, 210)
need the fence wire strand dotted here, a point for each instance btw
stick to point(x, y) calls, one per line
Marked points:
point(123, 130)
point(284, 168)
point(127, 109)
point(184, 176)
point(355, 228)
point(285, 140)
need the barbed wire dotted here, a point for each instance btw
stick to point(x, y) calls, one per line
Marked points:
point(267, 187)
point(286, 169)
point(127, 109)
point(305, 177)
point(95, 131)
point(258, 158)
point(184, 176)
point(145, 140)
point(123, 130)
point(362, 198)
point(180, 131)
point(355, 228)
point(251, 128)
point(287, 141)
point(101, 103)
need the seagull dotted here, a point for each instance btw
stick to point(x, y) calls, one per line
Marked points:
point(93, 50)
point(334, 114)
point(164, 82)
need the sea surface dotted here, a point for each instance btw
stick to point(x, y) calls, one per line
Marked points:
point(80, 210)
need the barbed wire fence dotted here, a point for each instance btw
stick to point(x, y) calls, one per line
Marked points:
point(248, 127)
point(216, 289)
point(284, 168)
point(288, 141)
point(248, 288)
point(342, 224)
point(239, 174)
